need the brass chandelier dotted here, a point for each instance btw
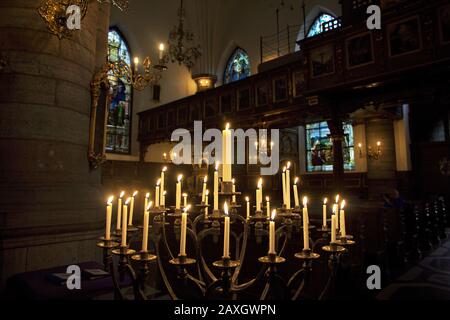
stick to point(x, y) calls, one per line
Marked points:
point(54, 13)
point(181, 48)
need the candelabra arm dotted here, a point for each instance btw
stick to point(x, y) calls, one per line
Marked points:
point(166, 281)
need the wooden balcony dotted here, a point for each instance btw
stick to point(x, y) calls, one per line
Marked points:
point(338, 71)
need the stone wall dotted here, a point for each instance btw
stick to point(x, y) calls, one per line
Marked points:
point(50, 203)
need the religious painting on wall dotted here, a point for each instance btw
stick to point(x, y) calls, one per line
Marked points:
point(319, 148)
point(322, 61)
point(280, 89)
point(262, 94)
point(298, 79)
point(404, 37)
point(243, 99)
point(359, 51)
point(444, 21)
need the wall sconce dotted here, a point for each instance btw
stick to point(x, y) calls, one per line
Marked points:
point(204, 81)
point(371, 153)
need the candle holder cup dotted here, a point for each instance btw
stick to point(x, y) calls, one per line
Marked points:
point(274, 283)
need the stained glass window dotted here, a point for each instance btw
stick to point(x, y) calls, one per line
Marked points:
point(119, 117)
point(319, 148)
point(238, 66)
point(316, 27)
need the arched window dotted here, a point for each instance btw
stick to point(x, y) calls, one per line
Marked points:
point(316, 26)
point(238, 66)
point(118, 132)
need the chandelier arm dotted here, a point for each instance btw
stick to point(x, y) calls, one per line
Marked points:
point(164, 236)
point(243, 251)
point(250, 283)
point(206, 270)
point(167, 284)
point(299, 290)
point(325, 289)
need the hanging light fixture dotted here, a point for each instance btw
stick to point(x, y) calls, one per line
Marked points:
point(181, 48)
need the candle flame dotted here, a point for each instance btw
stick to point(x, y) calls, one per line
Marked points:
point(217, 166)
point(337, 198)
point(274, 214)
point(325, 201)
point(360, 145)
point(158, 182)
point(187, 208)
point(379, 143)
point(256, 144)
point(147, 195)
point(164, 169)
point(296, 180)
point(267, 199)
point(164, 193)
point(335, 206)
point(260, 182)
point(284, 169)
point(225, 208)
point(180, 177)
point(149, 206)
point(161, 46)
point(247, 199)
point(207, 192)
point(288, 165)
point(205, 180)
point(185, 195)
point(227, 127)
point(135, 193)
point(233, 181)
point(343, 204)
point(305, 201)
point(122, 194)
point(128, 201)
point(136, 60)
point(110, 200)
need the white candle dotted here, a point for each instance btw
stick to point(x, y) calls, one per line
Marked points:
point(125, 222)
point(336, 213)
point(283, 182)
point(324, 213)
point(216, 188)
point(147, 197)
point(247, 199)
point(178, 193)
point(233, 198)
point(163, 199)
point(130, 220)
point(226, 154)
point(119, 211)
point(145, 227)
point(226, 234)
point(185, 196)
point(288, 186)
point(206, 203)
point(162, 189)
point(205, 181)
point(157, 194)
point(108, 218)
point(296, 201)
point(259, 196)
point(268, 207)
point(305, 224)
point(161, 51)
point(333, 228)
point(272, 250)
point(184, 216)
point(342, 217)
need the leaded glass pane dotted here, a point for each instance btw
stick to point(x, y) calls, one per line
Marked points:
point(316, 27)
point(238, 67)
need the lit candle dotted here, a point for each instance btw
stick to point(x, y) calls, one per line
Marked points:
point(268, 207)
point(226, 234)
point(145, 226)
point(324, 213)
point(337, 211)
point(125, 222)
point(259, 196)
point(136, 64)
point(283, 182)
point(226, 154)
point(296, 201)
point(147, 197)
point(333, 228)
point(288, 186)
point(163, 199)
point(163, 172)
point(185, 196)
point(216, 188)
point(161, 51)
point(108, 218)
point(272, 233)
point(205, 181)
point(233, 190)
point(178, 193)
point(247, 200)
point(305, 224)
point(165, 157)
point(157, 193)
point(184, 216)
point(206, 203)
point(119, 210)
point(130, 220)
point(342, 222)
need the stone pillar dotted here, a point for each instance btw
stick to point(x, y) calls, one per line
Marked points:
point(50, 203)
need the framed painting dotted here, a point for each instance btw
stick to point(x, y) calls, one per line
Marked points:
point(359, 51)
point(322, 61)
point(280, 89)
point(404, 37)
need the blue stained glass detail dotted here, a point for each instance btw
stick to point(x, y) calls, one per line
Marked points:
point(316, 27)
point(238, 67)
